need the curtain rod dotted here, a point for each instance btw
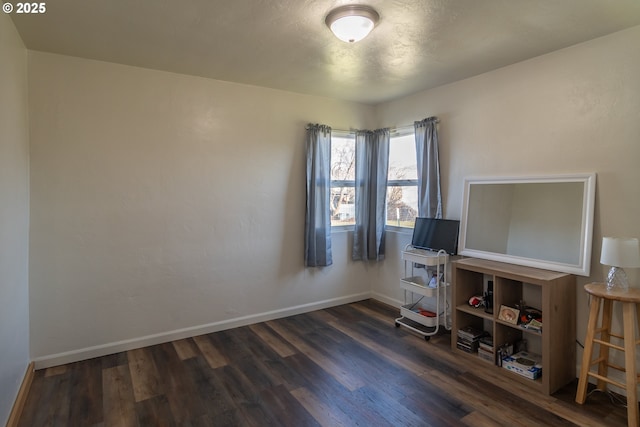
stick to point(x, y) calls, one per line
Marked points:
point(395, 129)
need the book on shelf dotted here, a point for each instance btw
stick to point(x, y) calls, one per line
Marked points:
point(471, 333)
point(486, 343)
point(533, 325)
point(489, 356)
point(485, 347)
point(467, 348)
point(465, 342)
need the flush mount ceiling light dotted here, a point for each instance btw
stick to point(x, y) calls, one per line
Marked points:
point(352, 23)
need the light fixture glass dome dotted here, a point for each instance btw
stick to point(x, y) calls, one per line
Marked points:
point(352, 23)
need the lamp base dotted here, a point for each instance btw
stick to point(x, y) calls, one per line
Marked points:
point(617, 279)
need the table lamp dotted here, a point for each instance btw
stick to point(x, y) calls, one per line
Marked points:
point(619, 253)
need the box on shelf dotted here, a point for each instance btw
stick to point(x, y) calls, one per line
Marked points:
point(523, 363)
point(489, 356)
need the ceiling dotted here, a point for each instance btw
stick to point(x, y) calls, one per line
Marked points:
point(284, 44)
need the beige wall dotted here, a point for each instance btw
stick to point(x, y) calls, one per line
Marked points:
point(14, 215)
point(165, 205)
point(574, 110)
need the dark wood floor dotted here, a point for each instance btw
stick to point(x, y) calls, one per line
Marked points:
point(344, 366)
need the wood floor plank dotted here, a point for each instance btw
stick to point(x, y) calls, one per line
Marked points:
point(210, 353)
point(119, 402)
point(483, 402)
point(268, 335)
point(313, 326)
point(251, 355)
point(478, 419)
point(154, 411)
point(378, 307)
point(339, 373)
point(597, 407)
point(525, 408)
point(34, 403)
point(287, 372)
point(323, 316)
point(285, 408)
point(86, 393)
point(244, 395)
point(57, 401)
point(220, 405)
point(333, 393)
point(176, 384)
point(390, 353)
point(381, 317)
point(326, 415)
point(398, 384)
point(144, 374)
point(55, 370)
point(112, 360)
point(262, 365)
point(185, 348)
point(388, 410)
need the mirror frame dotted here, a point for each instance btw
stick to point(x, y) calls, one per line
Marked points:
point(583, 267)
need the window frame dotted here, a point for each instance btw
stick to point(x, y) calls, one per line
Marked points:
point(400, 132)
point(395, 133)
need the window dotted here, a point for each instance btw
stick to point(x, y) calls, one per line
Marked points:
point(343, 169)
point(402, 185)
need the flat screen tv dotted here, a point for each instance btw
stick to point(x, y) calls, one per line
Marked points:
point(436, 234)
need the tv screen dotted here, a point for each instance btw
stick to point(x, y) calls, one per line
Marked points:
point(435, 234)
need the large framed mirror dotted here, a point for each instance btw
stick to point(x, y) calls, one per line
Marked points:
point(544, 222)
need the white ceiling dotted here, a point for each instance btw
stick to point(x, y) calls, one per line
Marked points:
point(284, 44)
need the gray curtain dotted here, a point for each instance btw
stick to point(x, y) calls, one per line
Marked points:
point(372, 163)
point(317, 227)
point(429, 195)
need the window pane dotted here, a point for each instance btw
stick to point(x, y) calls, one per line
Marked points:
point(343, 164)
point(402, 157)
point(343, 208)
point(343, 158)
point(402, 200)
point(402, 206)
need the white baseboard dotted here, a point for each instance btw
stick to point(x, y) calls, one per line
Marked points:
point(130, 344)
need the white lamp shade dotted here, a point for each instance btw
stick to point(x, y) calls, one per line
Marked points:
point(620, 252)
point(352, 28)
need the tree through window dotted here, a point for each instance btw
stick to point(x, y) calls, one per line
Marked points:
point(343, 166)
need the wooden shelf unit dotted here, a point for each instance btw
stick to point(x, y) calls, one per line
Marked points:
point(556, 296)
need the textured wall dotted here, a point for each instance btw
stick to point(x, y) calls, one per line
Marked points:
point(14, 215)
point(163, 202)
